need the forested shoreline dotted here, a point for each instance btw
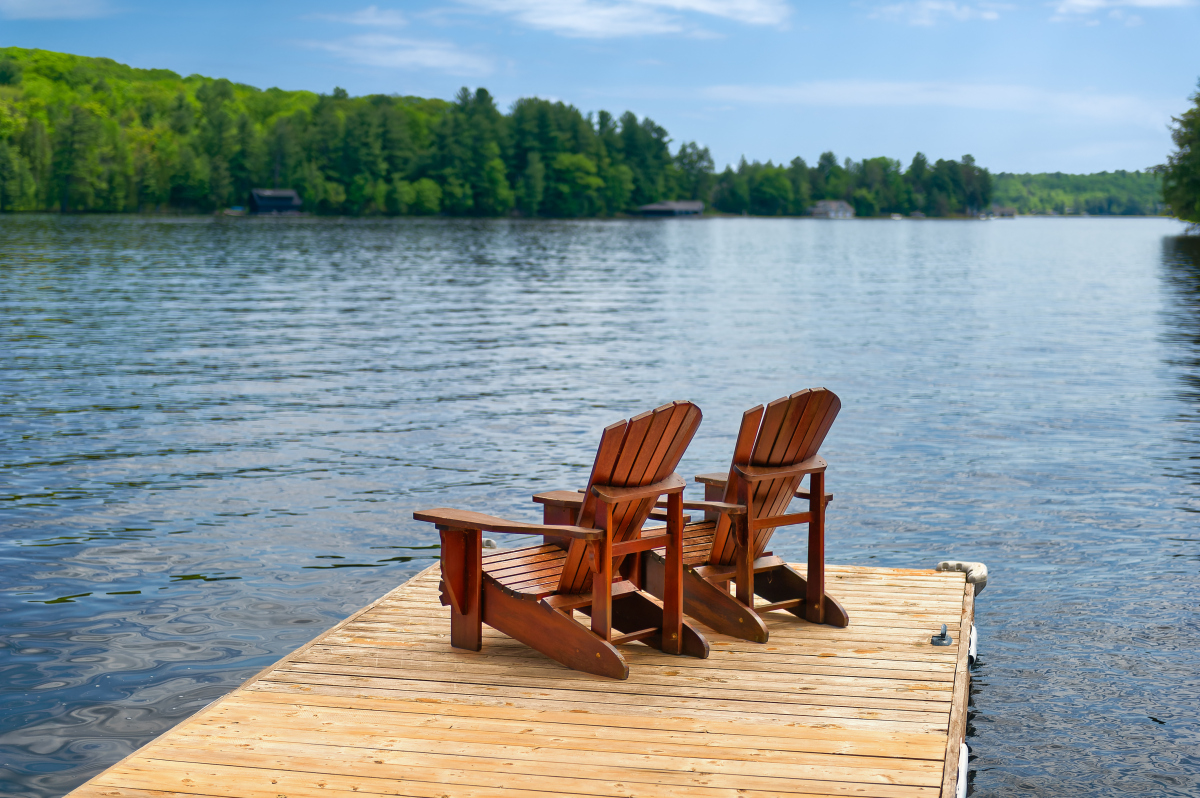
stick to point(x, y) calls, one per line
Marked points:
point(1118, 193)
point(80, 134)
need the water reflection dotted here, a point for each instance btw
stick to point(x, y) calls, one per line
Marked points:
point(1181, 269)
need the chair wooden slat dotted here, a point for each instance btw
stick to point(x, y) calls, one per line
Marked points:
point(651, 458)
point(771, 445)
point(576, 570)
point(636, 452)
point(807, 414)
point(723, 543)
point(667, 445)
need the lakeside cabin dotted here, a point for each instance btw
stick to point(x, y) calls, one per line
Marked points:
point(832, 209)
point(275, 201)
point(673, 208)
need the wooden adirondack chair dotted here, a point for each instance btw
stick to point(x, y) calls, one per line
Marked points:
point(776, 447)
point(530, 593)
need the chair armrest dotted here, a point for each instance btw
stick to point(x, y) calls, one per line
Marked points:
point(446, 518)
point(752, 473)
point(569, 499)
point(716, 507)
point(720, 478)
point(612, 494)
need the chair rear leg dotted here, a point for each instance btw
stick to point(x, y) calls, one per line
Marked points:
point(633, 612)
point(706, 602)
point(781, 583)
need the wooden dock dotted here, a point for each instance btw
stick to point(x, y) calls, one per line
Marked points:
point(381, 705)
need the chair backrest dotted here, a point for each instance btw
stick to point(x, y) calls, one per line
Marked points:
point(787, 431)
point(641, 451)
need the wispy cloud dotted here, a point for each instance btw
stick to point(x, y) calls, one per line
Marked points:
point(371, 16)
point(53, 9)
point(931, 12)
point(1085, 10)
point(602, 19)
point(391, 52)
point(750, 12)
point(935, 94)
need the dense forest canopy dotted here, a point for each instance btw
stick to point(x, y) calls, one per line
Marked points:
point(89, 134)
point(1119, 193)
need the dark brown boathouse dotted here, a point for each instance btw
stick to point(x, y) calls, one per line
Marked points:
point(673, 208)
point(275, 200)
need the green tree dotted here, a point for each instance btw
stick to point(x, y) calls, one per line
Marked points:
point(645, 148)
point(574, 186)
point(38, 151)
point(76, 163)
point(798, 175)
point(1181, 172)
point(694, 165)
point(10, 72)
point(533, 185)
point(732, 192)
point(770, 189)
point(246, 160)
point(865, 203)
point(428, 197)
point(15, 180)
point(976, 186)
point(618, 188)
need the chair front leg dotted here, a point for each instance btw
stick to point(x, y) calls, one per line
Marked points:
point(462, 577)
point(602, 579)
point(744, 567)
point(672, 631)
point(814, 600)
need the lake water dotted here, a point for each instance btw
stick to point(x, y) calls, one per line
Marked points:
point(213, 434)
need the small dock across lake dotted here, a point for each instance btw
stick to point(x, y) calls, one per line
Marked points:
point(381, 705)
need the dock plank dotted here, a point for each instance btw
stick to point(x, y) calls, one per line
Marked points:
point(382, 705)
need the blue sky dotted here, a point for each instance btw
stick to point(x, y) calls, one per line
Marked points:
point(1063, 85)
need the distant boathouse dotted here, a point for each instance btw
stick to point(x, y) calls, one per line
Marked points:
point(833, 209)
point(673, 208)
point(275, 200)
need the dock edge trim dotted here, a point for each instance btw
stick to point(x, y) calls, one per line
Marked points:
point(957, 729)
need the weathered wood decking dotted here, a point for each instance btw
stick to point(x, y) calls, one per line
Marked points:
point(381, 705)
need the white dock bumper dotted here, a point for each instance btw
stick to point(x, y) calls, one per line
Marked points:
point(976, 572)
point(960, 789)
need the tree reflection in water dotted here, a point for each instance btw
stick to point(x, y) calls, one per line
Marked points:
point(1181, 271)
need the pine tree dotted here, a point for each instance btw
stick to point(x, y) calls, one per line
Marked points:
point(1181, 172)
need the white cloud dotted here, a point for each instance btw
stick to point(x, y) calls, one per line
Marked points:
point(371, 16)
point(391, 52)
point(583, 18)
point(601, 19)
point(1065, 10)
point(53, 9)
point(935, 94)
point(1128, 20)
point(750, 12)
point(930, 12)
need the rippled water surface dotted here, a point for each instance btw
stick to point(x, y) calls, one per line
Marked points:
point(213, 434)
